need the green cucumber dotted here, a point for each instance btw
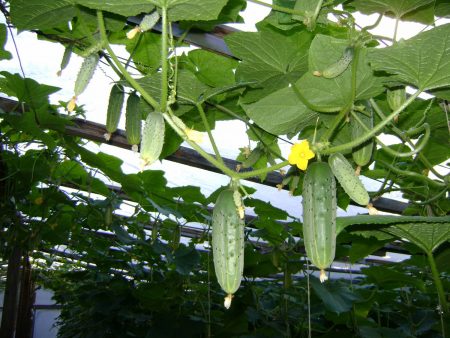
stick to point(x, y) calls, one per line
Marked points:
point(228, 243)
point(133, 121)
point(348, 179)
point(115, 103)
point(65, 59)
point(396, 97)
point(362, 154)
point(319, 216)
point(85, 74)
point(152, 138)
point(337, 68)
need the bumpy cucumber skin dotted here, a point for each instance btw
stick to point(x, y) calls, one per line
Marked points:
point(228, 242)
point(115, 104)
point(85, 73)
point(65, 59)
point(346, 176)
point(340, 66)
point(133, 120)
point(149, 21)
point(396, 97)
point(319, 215)
point(363, 153)
point(152, 138)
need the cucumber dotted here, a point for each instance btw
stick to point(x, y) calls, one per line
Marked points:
point(228, 244)
point(65, 59)
point(85, 74)
point(116, 98)
point(152, 138)
point(339, 66)
point(133, 121)
point(396, 97)
point(362, 154)
point(346, 176)
point(319, 216)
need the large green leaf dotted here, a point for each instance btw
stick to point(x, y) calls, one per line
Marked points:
point(328, 95)
point(4, 54)
point(422, 61)
point(268, 54)
point(281, 112)
point(193, 10)
point(382, 220)
point(336, 298)
point(41, 14)
point(390, 279)
point(426, 236)
point(397, 7)
point(124, 8)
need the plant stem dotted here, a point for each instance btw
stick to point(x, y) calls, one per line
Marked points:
point(394, 38)
point(208, 130)
point(258, 172)
point(374, 131)
point(337, 120)
point(121, 68)
point(203, 153)
point(438, 283)
point(278, 8)
point(406, 139)
point(164, 60)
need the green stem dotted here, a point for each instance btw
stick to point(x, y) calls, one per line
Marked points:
point(164, 60)
point(258, 172)
point(208, 130)
point(310, 105)
point(337, 120)
point(170, 120)
point(121, 68)
point(413, 174)
point(374, 25)
point(394, 38)
point(404, 137)
point(278, 8)
point(354, 74)
point(438, 283)
point(374, 131)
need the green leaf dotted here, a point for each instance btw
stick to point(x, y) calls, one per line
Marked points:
point(381, 220)
point(41, 14)
point(331, 95)
point(442, 8)
point(4, 54)
point(212, 69)
point(336, 298)
point(422, 61)
point(120, 7)
point(426, 236)
point(397, 7)
point(194, 10)
point(268, 54)
point(391, 279)
point(145, 51)
point(281, 113)
point(27, 90)
point(186, 258)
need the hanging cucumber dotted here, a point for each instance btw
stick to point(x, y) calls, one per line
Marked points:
point(152, 138)
point(116, 98)
point(395, 98)
point(362, 154)
point(133, 121)
point(339, 66)
point(348, 179)
point(147, 23)
point(65, 59)
point(85, 74)
point(228, 243)
point(319, 216)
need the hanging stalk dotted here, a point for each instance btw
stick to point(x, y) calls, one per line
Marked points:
point(121, 68)
point(164, 60)
point(438, 283)
point(208, 130)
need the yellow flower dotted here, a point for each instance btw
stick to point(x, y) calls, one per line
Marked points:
point(300, 154)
